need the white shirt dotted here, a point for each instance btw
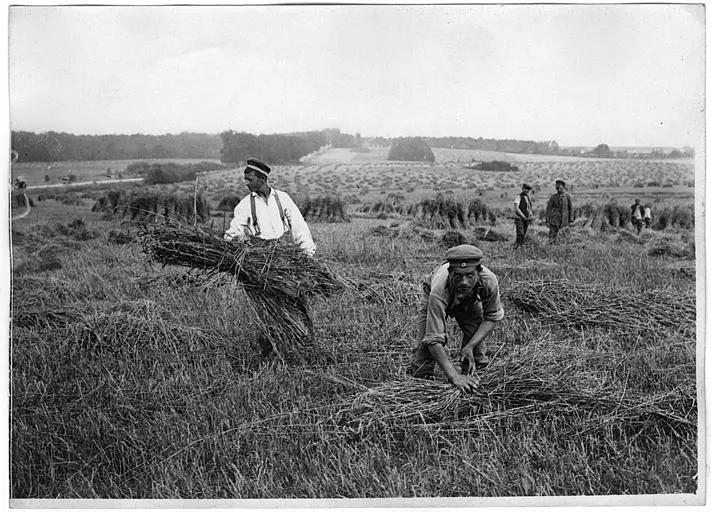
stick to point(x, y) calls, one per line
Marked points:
point(269, 220)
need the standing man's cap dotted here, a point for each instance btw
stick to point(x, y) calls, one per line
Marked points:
point(464, 254)
point(561, 182)
point(526, 186)
point(255, 165)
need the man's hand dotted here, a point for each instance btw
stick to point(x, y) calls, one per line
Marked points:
point(464, 383)
point(467, 360)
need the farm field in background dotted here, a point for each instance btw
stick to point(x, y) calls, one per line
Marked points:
point(336, 173)
point(35, 172)
point(132, 380)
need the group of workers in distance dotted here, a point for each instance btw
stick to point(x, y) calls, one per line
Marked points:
point(461, 287)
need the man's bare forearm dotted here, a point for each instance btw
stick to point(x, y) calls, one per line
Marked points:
point(481, 333)
point(440, 355)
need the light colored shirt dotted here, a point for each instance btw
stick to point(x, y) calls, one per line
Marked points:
point(269, 220)
point(436, 327)
point(647, 213)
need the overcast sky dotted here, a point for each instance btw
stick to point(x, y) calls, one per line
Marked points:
point(623, 75)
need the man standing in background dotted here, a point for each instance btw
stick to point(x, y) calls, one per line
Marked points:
point(638, 216)
point(647, 216)
point(523, 210)
point(559, 210)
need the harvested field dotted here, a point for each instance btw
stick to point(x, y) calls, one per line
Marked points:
point(569, 304)
point(137, 381)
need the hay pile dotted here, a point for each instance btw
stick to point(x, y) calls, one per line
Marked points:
point(452, 239)
point(389, 288)
point(278, 278)
point(489, 235)
point(671, 244)
point(523, 384)
point(147, 205)
point(568, 304)
point(324, 209)
point(407, 232)
point(535, 265)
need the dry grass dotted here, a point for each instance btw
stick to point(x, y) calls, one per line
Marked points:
point(568, 304)
point(525, 384)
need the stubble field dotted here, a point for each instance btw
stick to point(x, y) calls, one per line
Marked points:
point(130, 380)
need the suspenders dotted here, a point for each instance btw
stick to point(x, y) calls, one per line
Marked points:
point(285, 222)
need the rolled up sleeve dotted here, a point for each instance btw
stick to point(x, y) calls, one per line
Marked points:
point(239, 225)
point(436, 328)
point(491, 301)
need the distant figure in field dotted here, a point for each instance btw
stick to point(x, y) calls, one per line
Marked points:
point(559, 210)
point(464, 289)
point(268, 213)
point(523, 210)
point(638, 216)
point(647, 216)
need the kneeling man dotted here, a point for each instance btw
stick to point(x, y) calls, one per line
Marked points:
point(464, 289)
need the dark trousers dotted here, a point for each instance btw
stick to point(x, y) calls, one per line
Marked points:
point(469, 319)
point(553, 231)
point(521, 229)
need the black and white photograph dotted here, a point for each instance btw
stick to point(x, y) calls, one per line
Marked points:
point(337, 255)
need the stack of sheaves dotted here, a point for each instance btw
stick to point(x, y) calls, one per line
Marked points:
point(277, 276)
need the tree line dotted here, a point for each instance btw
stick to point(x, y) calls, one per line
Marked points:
point(230, 146)
point(60, 146)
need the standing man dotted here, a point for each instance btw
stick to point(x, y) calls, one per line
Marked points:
point(647, 216)
point(638, 216)
point(523, 210)
point(268, 213)
point(464, 289)
point(559, 210)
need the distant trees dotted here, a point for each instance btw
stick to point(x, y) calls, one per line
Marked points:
point(501, 145)
point(170, 172)
point(59, 146)
point(273, 149)
point(601, 151)
point(336, 139)
point(411, 149)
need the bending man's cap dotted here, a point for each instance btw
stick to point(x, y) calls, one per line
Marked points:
point(255, 165)
point(526, 186)
point(464, 255)
point(560, 182)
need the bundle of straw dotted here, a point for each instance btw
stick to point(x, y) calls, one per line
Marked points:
point(277, 276)
point(509, 389)
point(564, 302)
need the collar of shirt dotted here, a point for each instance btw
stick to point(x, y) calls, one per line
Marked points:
point(266, 199)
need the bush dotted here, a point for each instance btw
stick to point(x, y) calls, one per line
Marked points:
point(171, 172)
point(413, 149)
point(497, 166)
